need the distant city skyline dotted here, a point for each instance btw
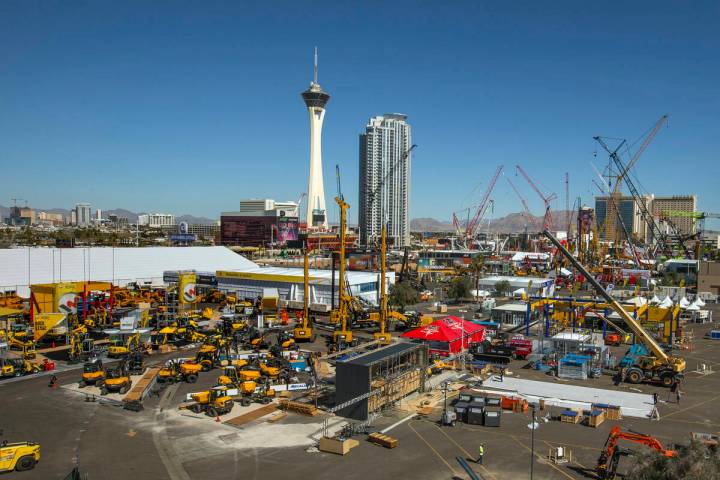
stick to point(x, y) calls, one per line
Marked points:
point(193, 108)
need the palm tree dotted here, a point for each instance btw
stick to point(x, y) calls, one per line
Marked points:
point(476, 267)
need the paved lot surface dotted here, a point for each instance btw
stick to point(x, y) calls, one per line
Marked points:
point(162, 443)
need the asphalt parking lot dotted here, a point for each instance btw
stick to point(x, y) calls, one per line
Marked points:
point(162, 443)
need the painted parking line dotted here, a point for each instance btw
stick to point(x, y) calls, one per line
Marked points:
point(540, 457)
point(484, 469)
point(452, 470)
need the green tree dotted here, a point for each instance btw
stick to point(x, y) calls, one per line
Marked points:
point(693, 462)
point(476, 267)
point(402, 294)
point(460, 287)
point(502, 287)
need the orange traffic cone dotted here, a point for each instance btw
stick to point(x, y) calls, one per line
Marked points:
point(53, 344)
point(217, 418)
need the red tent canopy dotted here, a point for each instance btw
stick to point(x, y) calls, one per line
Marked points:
point(450, 330)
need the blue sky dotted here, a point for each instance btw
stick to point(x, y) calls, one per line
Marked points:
point(187, 107)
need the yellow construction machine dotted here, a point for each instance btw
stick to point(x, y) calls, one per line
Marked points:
point(19, 456)
point(17, 367)
point(93, 373)
point(117, 380)
point(121, 345)
point(179, 371)
point(305, 333)
point(343, 337)
point(652, 365)
point(383, 336)
point(213, 402)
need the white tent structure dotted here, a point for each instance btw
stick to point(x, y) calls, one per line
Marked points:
point(638, 301)
point(699, 302)
point(654, 300)
point(21, 267)
point(684, 303)
point(666, 303)
point(693, 308)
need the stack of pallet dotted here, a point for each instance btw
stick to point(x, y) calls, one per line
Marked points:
point(383, 440)
point(299, 407)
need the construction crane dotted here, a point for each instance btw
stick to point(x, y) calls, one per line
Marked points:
point(568, 212)
point(657, 365)
point(305, 332)
point(343, 337)
point(376, 190)
point(610, 456)
point(547, 219)
point(473, 222)
point(383, 337)
point(623, 176)
point(527, 214)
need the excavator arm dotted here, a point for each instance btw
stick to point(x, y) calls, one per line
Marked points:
point(608, 460)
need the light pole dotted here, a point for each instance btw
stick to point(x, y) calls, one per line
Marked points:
point(532, 441)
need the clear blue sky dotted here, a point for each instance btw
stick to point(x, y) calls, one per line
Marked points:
point(187, 107)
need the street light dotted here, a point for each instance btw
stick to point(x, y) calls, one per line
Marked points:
point(532, 426)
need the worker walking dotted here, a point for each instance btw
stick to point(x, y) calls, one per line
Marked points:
point(677, 394)
point(481, 454)
point(655, 398)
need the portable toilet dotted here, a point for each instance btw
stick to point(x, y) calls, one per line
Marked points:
point(461, 411)
point(492, 416)
point(476, 412)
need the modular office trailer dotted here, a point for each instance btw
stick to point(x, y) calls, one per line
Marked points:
point(392, 373)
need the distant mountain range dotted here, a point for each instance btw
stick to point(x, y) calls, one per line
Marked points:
point(511, 223)
point(120, 212)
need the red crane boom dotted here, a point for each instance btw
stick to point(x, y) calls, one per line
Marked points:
point(482, 207)
point(547, 220)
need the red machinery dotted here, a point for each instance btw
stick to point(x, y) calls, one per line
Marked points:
point(611, 453)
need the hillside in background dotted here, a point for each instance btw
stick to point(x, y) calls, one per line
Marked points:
point(511, 223)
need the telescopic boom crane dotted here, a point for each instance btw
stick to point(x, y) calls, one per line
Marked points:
point(547, 219)
point(657, 366)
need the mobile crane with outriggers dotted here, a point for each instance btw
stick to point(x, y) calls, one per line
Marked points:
point(656, 365)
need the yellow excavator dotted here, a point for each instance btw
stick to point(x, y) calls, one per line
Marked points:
point(19, 339)
point(305, 333)
point(93, 373)
point(117, 379)
point(213, 402)
point(121, 346)
point(343, 337)
point(18, 456)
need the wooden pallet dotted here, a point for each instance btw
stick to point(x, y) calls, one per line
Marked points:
point(250, 416)
point(383, 440)
point(299, 407)
point(137, 392)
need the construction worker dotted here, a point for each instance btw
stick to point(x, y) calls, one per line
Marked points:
point(655, 398)
point(481, 454)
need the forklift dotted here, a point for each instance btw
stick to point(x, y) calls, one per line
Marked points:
point(305, 333)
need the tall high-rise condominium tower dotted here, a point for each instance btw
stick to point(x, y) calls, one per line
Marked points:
point(315, 100)
point(384, 190)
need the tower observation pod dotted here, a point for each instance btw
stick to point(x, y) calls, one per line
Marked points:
point(315, 99)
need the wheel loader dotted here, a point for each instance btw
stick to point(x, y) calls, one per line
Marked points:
point(16, 367)
point(249, 393)
point(213, 402)
point(179, 371)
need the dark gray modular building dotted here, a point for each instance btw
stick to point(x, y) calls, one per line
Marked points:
point(392, 373)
